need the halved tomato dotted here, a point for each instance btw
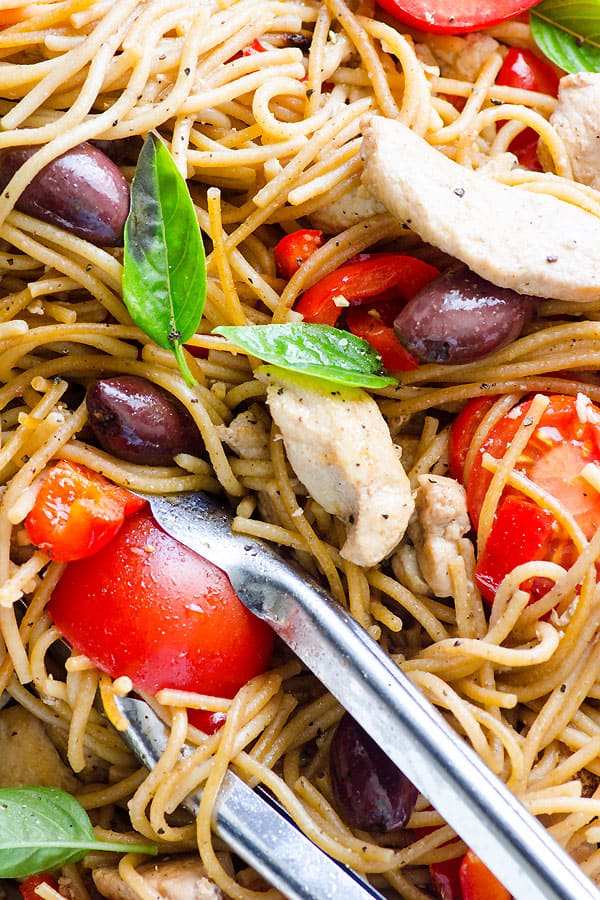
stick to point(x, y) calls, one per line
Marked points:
point(445, 16)
point(564, 441)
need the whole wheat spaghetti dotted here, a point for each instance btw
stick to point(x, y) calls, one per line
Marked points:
point(260, 103)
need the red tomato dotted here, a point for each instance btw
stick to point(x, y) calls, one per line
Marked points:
point(477, 882)
point(366, 323)
point(148, 607)
point(359, 281)
point(521, 533)
point(445, 879)
point(12, 17)
point(444, 875)
point(27, 887)
point(523, 69)
point(250, 49)
point(254, 47)
point(564, 441)
point(77, 512)
point(462, 432)
point(295, 248)
point(446, 16)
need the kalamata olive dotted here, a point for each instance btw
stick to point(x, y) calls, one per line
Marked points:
point(139, 422)
point(459, 317)
point(370, 791)
point(82, 191)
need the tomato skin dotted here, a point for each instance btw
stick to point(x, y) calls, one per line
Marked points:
point(27, 887)
point(253, 47)
point(521, 533)
point(148, 607)
point(566, 438)
point(557, 450)
point(367, 324)
point(447, 17)
point(462, 432)
point(445, 879)
point(295, 248)
point(359, 281)
point(477, 882)
point(525, 70)
point(465, 878)
point(77, 512)
point(12, 16)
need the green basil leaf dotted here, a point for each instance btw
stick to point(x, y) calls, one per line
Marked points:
point(164, 266)
point(318, 350)
point(43, 828)
point(568, 33)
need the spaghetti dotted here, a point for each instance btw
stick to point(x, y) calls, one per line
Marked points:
point(270, 140)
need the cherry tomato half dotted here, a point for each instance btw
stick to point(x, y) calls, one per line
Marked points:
point(566, 438)
point(366, 322)
point(27, 888)
point(449, 16)
point(12, 16)
point(525, 70)
point(445, 878)
point(148, 607)
point(462, 432)
point(77, 512)
point(521, 533)
point(295, 248)
point(368, 277)
point(477, 882)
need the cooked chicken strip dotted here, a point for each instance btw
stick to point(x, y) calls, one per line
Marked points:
point(28, 755)
point(247, 434)
point(440, 521)
point(356, 205)
point(339, 446)
point(576, 121)
point(532, 243)
point(180, 878)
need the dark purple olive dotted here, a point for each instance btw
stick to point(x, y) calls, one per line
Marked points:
point(459, 317)
point(139, 422)
point(82, 191)
point(370, 791)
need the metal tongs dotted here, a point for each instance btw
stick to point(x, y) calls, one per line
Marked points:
point(383, 700)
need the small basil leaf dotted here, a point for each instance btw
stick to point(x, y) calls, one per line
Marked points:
point(318, 350)
point(164, 266)
point(568, 33)
point(43, 828)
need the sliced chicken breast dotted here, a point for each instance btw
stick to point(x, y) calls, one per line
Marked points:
point(532, 243)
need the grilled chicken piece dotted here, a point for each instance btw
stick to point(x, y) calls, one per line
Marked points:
point(339, 446)
point(575, 118)
point(28, 755)
point(354, 206)
point(532, 243)
point(440, 521)
point(247, 434)
point(178, 878)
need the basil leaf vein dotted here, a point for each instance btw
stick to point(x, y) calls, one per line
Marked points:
point(568, 33)
point(164, 265)
point(43, 828)
point(318, 350)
